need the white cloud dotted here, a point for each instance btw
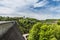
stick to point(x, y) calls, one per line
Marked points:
point(55, 9)
point(9, 8)
point(17, 3)
point(14, 4)
point(41, 4)
point(31, 1)
point(5, 10)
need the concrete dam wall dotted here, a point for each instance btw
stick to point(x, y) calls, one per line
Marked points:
point(10, 31)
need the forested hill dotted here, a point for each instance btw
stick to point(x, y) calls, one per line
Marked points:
point(25, 24)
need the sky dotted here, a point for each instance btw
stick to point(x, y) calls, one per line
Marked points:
point(39, 9)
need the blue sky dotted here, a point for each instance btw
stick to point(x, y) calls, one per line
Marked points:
point(39, 9)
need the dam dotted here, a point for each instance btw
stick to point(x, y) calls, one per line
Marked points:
point(10, 31)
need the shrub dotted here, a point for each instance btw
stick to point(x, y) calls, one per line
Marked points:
point(45, 32)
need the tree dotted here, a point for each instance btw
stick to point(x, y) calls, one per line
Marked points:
point(34, 32)
point(44, 32)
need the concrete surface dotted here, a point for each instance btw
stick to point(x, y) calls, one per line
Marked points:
point(10, 31)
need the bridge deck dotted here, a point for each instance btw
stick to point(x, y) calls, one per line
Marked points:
point(9, 31)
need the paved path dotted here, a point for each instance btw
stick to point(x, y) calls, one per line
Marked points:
point(4, 27)
point(10, 31)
